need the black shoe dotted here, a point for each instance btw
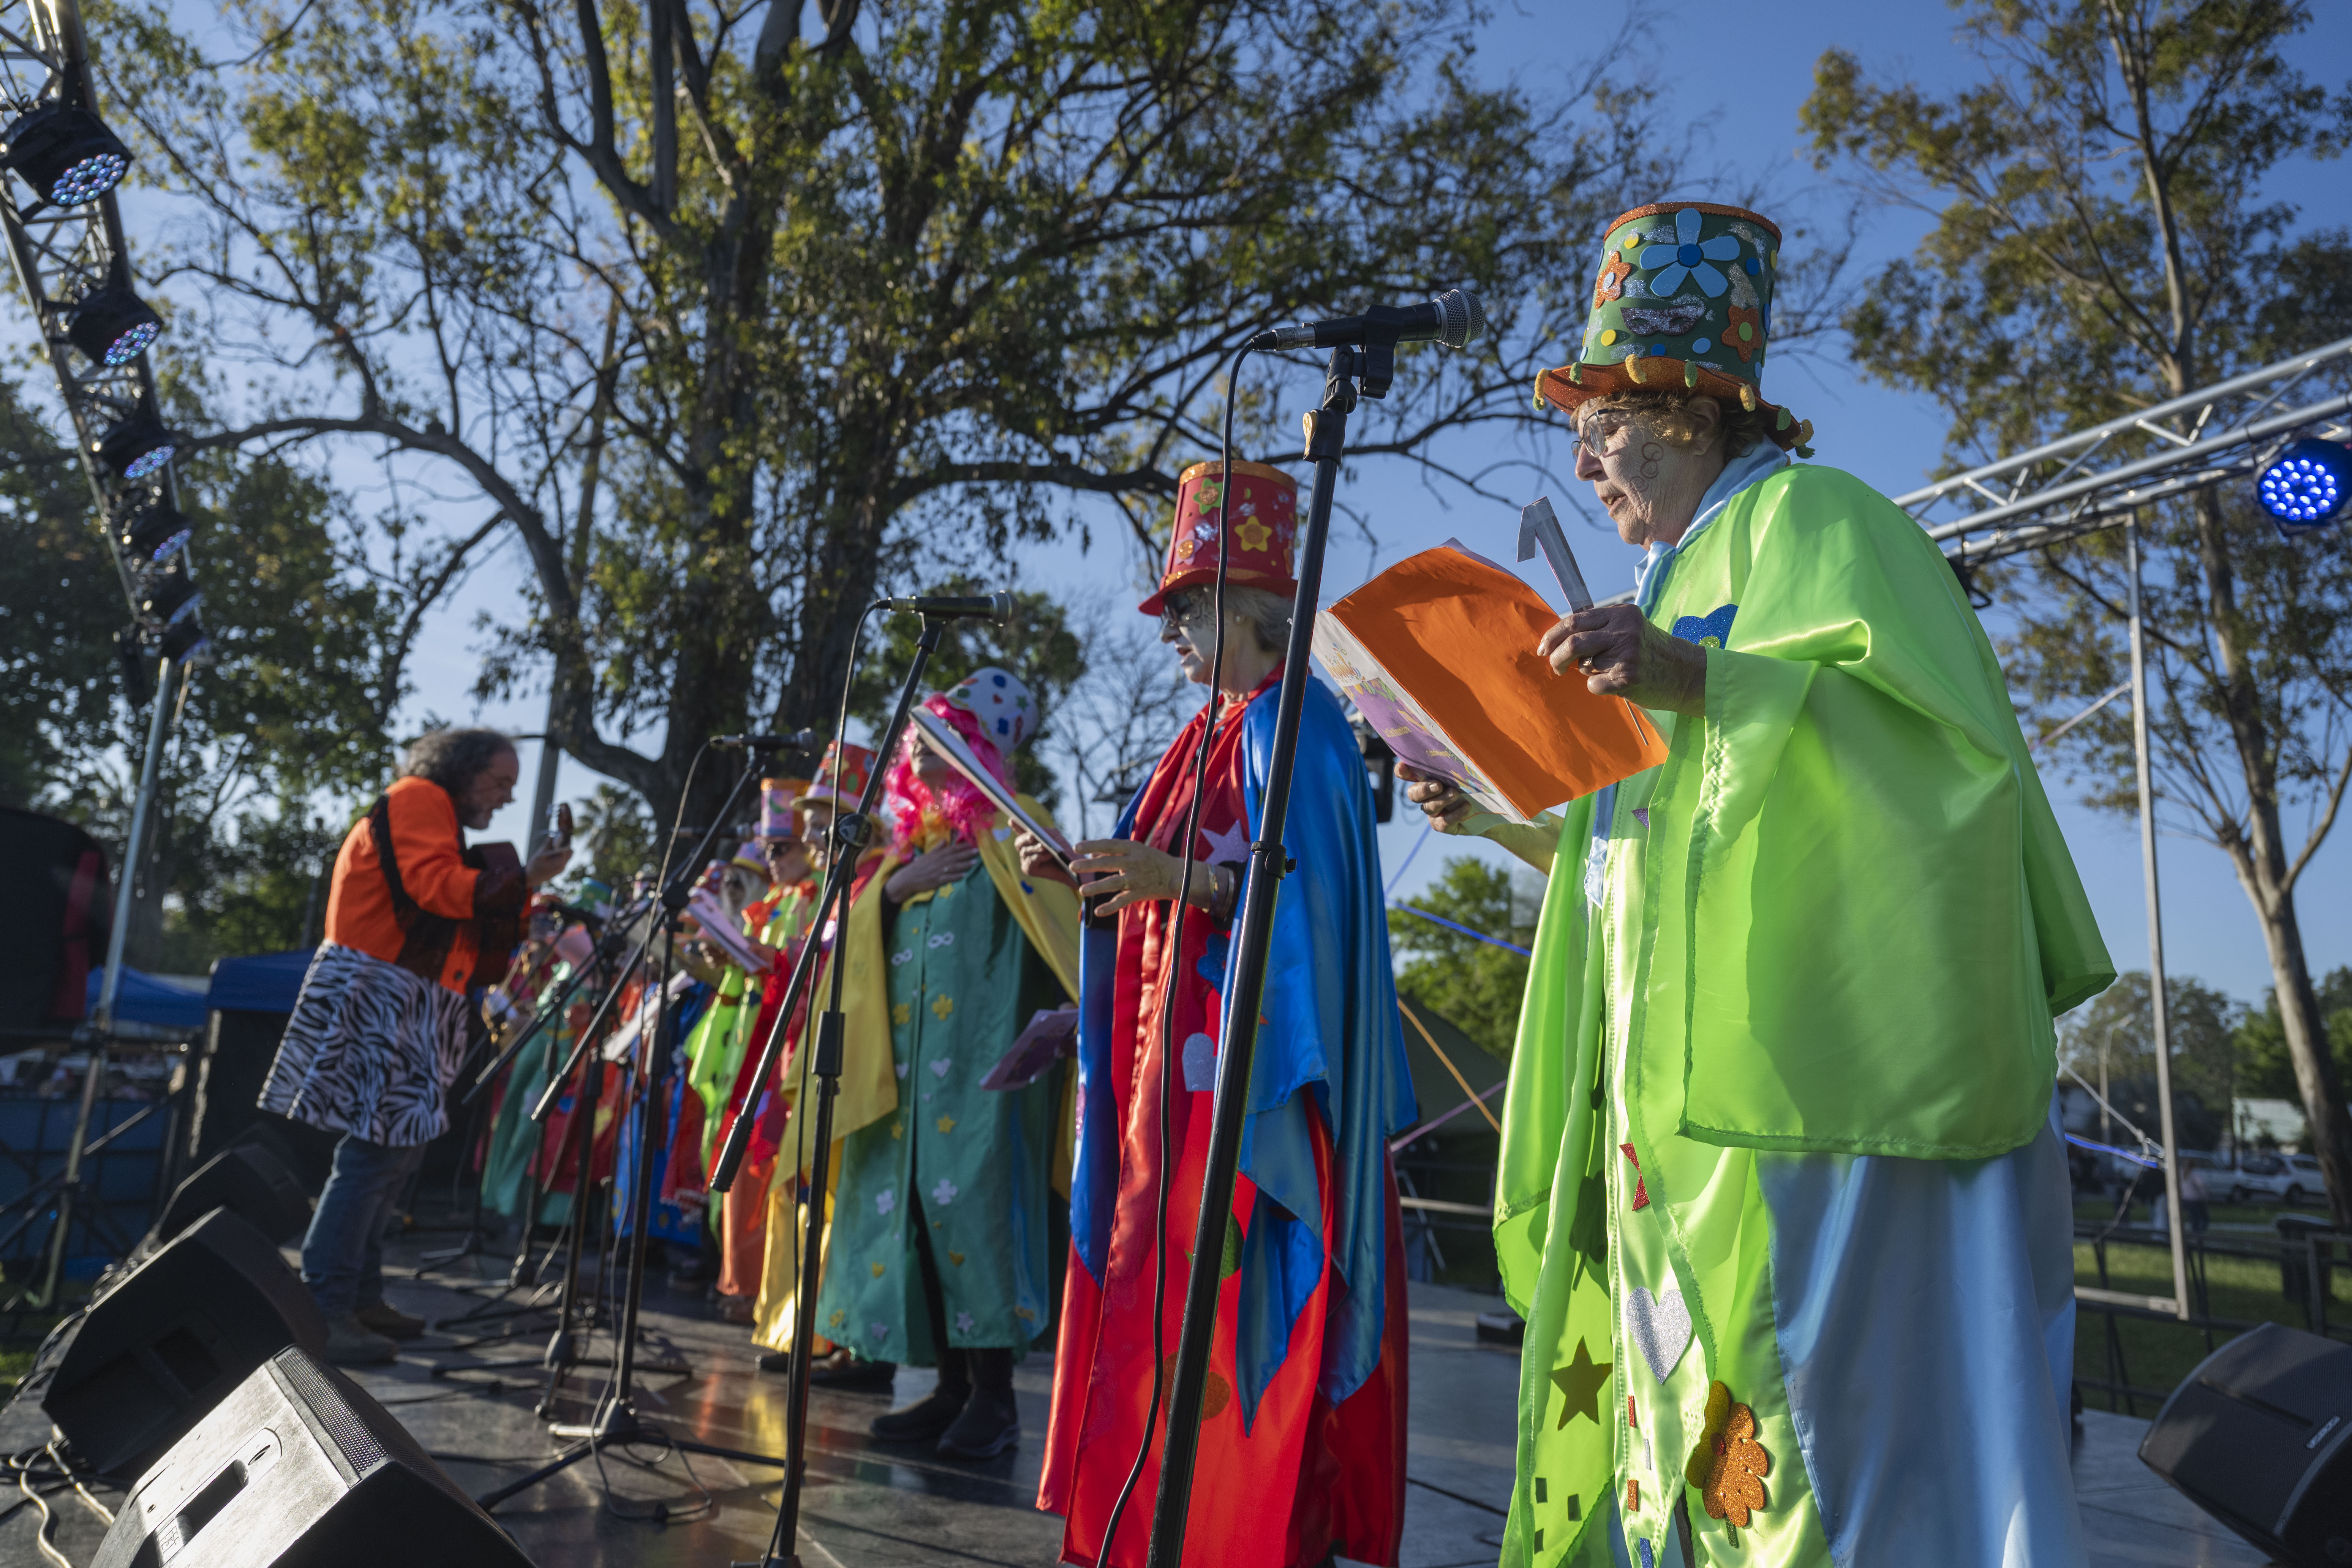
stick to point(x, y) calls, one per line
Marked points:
point(847, 1374)
point(990, 1423)
point(923, 1421)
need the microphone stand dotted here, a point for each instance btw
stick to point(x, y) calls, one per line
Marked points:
point(1327, 434)
point(607, 949)
point(850, 834)
point(616, 1420)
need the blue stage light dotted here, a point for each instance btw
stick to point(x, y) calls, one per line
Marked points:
point(66, 153)
point(138, 448)
point(2306, 486)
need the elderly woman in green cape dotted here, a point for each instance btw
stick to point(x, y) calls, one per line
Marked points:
point(1782, 1196)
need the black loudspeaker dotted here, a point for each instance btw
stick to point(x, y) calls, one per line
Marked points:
point(2260, 1436)
point(53, 923)
point(249, 1181)
point(299, 1468)
point(181, 1329)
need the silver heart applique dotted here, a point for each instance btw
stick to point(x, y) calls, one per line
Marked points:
point(1660, 1327)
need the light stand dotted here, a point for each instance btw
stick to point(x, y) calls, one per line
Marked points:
point(98, 1032)
point(1327, 434)
point(616, 1420)
point(849, 838)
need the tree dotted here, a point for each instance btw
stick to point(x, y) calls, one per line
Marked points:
point(2102, 243)
point(881, 289)
point(2118, 1027)
point(292, 699)
point(2264, 1068)
point(1476, 984)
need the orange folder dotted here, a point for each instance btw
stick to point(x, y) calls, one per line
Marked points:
point(1439, 654)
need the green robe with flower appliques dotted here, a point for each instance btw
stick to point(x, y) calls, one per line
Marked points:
point(973, 1165)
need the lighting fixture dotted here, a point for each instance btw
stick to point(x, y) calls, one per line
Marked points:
point(155, 532)
point(138, 448)
point(183, 638)
point(66, 153)
point(112, 326)
point(2306, 486)
point(170, 595)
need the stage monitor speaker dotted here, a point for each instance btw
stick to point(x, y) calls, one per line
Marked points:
point(299, 1468)
point(163, 1347)
point(249, 1181)
point(2260, 1436)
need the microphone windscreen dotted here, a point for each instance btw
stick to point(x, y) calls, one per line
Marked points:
point(1465, 318)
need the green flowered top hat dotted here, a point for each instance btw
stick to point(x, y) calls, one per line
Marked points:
point(1684, 300)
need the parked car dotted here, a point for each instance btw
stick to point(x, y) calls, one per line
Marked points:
point(2276, 1178)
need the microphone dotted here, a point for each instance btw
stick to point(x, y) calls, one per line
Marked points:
point(1454, 318)
point(798, 741)
point(996, 607)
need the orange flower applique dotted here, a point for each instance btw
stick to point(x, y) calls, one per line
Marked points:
point(1252, 535)
point(1614, 271)
point(1728, 1465)
point(1744, 333)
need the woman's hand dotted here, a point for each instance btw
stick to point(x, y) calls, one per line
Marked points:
point(1129, 872)
point(1039, 862)
point(930, 870)
point(1621, 654)
point(1440, 800)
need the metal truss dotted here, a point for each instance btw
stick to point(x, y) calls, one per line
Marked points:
point(2098, 477)
point(61, 255)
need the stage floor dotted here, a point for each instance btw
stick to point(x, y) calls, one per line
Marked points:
point(869, 1505)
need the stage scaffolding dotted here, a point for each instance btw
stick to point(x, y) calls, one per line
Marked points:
point(64, 255)
point(2104, 477)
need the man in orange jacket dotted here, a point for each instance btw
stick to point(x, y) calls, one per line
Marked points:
point(379, 1027)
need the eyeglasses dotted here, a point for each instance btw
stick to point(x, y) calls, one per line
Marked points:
point(1596, 432)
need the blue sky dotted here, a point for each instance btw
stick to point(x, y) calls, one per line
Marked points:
point(1737, 73)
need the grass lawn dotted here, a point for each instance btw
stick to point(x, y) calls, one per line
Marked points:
point(2158, 1353)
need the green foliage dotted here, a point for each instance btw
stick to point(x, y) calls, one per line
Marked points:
point(614, 838)
point(1474, 983)
point(260, 888)
point(2104, 242)
point(287, 705)
point(850, 305)
point(60, 605)
point(2119, 1024)
point(2263, 1067)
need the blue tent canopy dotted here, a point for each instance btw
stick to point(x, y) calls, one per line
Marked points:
point(144, 999)
point(263, 983)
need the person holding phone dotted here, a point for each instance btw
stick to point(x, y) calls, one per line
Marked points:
point(380, 1025)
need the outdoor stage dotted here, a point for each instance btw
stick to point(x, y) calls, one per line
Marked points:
point(869, 1504)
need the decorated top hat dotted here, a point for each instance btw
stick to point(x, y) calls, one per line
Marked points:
point(841, 776)
point(776, 799)
point(998, 703)
point(749, 858)
point(1263, 516)
point(1682, 302)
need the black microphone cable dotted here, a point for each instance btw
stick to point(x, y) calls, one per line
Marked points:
point(1170, 1062)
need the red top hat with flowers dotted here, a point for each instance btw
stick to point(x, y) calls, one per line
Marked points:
point(1262, 516)
point(841, 776)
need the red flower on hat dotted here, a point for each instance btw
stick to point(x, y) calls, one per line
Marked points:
point(1614, 271)
point(1745, 334)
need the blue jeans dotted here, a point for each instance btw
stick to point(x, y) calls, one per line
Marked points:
point(343, 1253)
